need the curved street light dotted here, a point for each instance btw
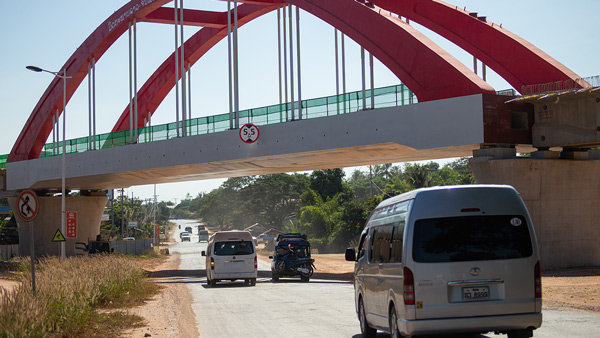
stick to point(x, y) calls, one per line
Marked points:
point(64, 77)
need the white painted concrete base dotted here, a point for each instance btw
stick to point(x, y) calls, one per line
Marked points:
point(89, 213)
point(563, 198)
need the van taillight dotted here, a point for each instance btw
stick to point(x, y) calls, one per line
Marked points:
point(212, 263)
point(255, 263)
point(470, 210)
point(409, 287)
point(538, 280)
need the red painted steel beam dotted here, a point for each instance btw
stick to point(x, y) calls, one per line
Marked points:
point(191, 17)
point(516, 60)
point(30, 142)
point(162, 81)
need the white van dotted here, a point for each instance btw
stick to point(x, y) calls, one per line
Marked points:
point(231, 255)
point(203, 236)
point(450, 259)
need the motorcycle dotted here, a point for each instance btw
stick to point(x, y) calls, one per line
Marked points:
point(293, 263)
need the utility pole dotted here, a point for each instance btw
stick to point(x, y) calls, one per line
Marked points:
point(122, 210)
point(112, 211)
point(154, 217)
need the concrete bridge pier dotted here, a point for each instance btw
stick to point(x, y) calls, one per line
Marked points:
point(562, 193)
point(89, 213)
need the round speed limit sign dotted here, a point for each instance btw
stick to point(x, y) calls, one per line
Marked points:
point(249, 133)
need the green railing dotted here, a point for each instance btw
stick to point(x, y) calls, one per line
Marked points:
point(391, 96)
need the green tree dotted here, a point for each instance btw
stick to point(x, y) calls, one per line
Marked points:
point(327, 183)
point(271, 199)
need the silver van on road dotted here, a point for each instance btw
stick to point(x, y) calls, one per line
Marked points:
point(450, 259)
point(231, 255)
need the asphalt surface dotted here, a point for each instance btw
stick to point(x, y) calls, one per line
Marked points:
point(320, 308)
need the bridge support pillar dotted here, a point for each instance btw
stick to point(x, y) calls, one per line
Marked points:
point(563, 198)
point(89, 213)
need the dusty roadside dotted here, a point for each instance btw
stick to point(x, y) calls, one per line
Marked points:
point(169, 313)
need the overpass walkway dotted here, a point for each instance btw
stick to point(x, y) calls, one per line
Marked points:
point(391, 96)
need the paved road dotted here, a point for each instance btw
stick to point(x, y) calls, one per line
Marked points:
point(321, 308)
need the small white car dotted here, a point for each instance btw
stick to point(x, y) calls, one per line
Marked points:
point(185, 236)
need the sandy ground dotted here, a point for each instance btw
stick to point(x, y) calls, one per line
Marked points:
point(169, 313)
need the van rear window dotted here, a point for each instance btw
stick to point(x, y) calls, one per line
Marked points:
point(234, 248)
point(473, 238)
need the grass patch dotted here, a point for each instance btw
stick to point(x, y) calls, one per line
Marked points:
point(68, 295)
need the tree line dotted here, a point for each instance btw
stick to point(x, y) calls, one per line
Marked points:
point(330, 208)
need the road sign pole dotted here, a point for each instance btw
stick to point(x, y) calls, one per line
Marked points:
point(28, 207)
point(32, 253)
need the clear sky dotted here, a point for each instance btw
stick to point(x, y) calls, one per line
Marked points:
point(45, 34)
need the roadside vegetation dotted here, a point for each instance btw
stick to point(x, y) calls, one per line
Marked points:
point(81, 297)
point(328, 207)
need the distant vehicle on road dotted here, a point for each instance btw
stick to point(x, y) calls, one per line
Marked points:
point(203, 236)
point(186, 237)
point(231, 255)
point(201, 227)
point(450, 259)
point(188, 229)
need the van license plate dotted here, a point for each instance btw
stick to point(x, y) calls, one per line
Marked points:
point(480, 293)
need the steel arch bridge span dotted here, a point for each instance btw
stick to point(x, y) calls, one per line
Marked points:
point(428, 71)
point(422, 66)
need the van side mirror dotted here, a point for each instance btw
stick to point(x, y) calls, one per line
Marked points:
point(203, 253)
point(350, 255)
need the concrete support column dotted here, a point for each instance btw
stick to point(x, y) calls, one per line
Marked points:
point(89, 213)
point(563, 198)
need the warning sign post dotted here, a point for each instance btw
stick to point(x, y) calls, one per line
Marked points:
point(58, 236)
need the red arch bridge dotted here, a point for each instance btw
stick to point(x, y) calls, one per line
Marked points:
point(457, 114)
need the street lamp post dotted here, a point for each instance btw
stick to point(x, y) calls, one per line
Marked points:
point(63, 216)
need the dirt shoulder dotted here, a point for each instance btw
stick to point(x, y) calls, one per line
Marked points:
point(169, 313)
point(576, 288)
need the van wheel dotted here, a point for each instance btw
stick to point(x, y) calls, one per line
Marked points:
point(304, 279)
point(253, 282)
point(274, 276)
point(365, 329)
point(213, 283)
point(394, 332)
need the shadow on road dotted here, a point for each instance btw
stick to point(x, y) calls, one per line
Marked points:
point(264, 276)
point(385, 335)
